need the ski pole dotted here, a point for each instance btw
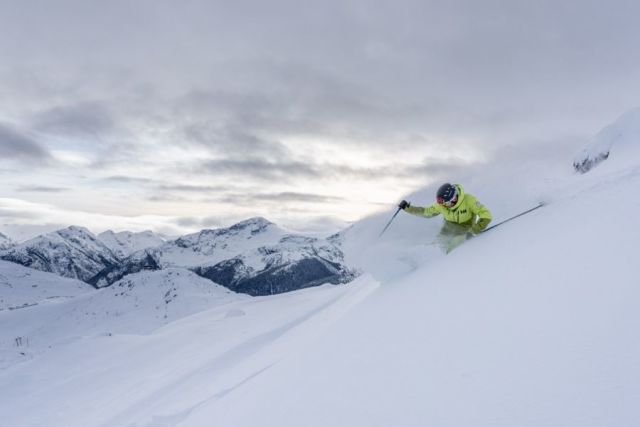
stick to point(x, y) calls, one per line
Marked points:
point(514, 217)
point(389, 223)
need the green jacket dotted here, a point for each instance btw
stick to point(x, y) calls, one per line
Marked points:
point(468, 211)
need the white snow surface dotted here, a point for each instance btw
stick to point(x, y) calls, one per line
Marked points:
point(125, 243)
point(22, 287)
point(534, 323)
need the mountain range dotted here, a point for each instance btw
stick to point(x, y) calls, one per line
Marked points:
point(254, 256)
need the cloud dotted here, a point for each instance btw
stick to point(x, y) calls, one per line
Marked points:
point(128, 179)
point(200, 222)
point(258, 168)
point(308, 99)
point(192, 188)
point(281, 197)
point(41, 189)
point(16, 145)
point(79, 119)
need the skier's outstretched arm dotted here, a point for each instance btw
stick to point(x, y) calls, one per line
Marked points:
point(429, 211)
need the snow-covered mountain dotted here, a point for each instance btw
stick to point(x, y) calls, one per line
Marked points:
point(621, 139)
point(5, 242)
point(72, 252)
point(125, 243)
point(254, 257)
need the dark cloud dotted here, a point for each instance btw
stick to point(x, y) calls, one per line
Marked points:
point(296, 197)
point(192, 188)
point(41, 189)
point(17, 213)
point(81, 119)
point(248, 198)
point(15, 145)
point(260, 169)
point(128, 179)
point(285, 170)
point(199, 222)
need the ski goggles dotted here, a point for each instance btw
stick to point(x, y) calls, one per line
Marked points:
point(448, 203)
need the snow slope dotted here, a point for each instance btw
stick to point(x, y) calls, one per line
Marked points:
point(124, 379)
point(24, 287)
point(534, 323)
point(137, 304)
point(125, 243)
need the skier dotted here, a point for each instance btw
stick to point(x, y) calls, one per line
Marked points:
point(463, 214)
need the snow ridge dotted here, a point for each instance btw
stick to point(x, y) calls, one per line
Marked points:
point(125, 243)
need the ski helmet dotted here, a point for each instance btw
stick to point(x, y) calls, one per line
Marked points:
point(447, 194)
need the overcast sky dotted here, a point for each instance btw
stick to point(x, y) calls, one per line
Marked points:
point(181, 115)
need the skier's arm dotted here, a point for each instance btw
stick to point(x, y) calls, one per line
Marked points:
point(483, 216)
point(429, 211)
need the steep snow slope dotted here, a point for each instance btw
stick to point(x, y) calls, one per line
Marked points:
point(125, 243)
point(24, 287)
point(72, 252)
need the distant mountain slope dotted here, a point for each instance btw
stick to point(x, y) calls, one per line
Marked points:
point(22, 287)
point(73, 252)
point(254, 257)
point(125, 243)
point(138, 304)
point(153, 298)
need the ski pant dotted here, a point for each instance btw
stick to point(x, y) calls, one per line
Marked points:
point(452, 235)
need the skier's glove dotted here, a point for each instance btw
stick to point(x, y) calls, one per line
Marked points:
point(479, 226)
point(404, 205)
